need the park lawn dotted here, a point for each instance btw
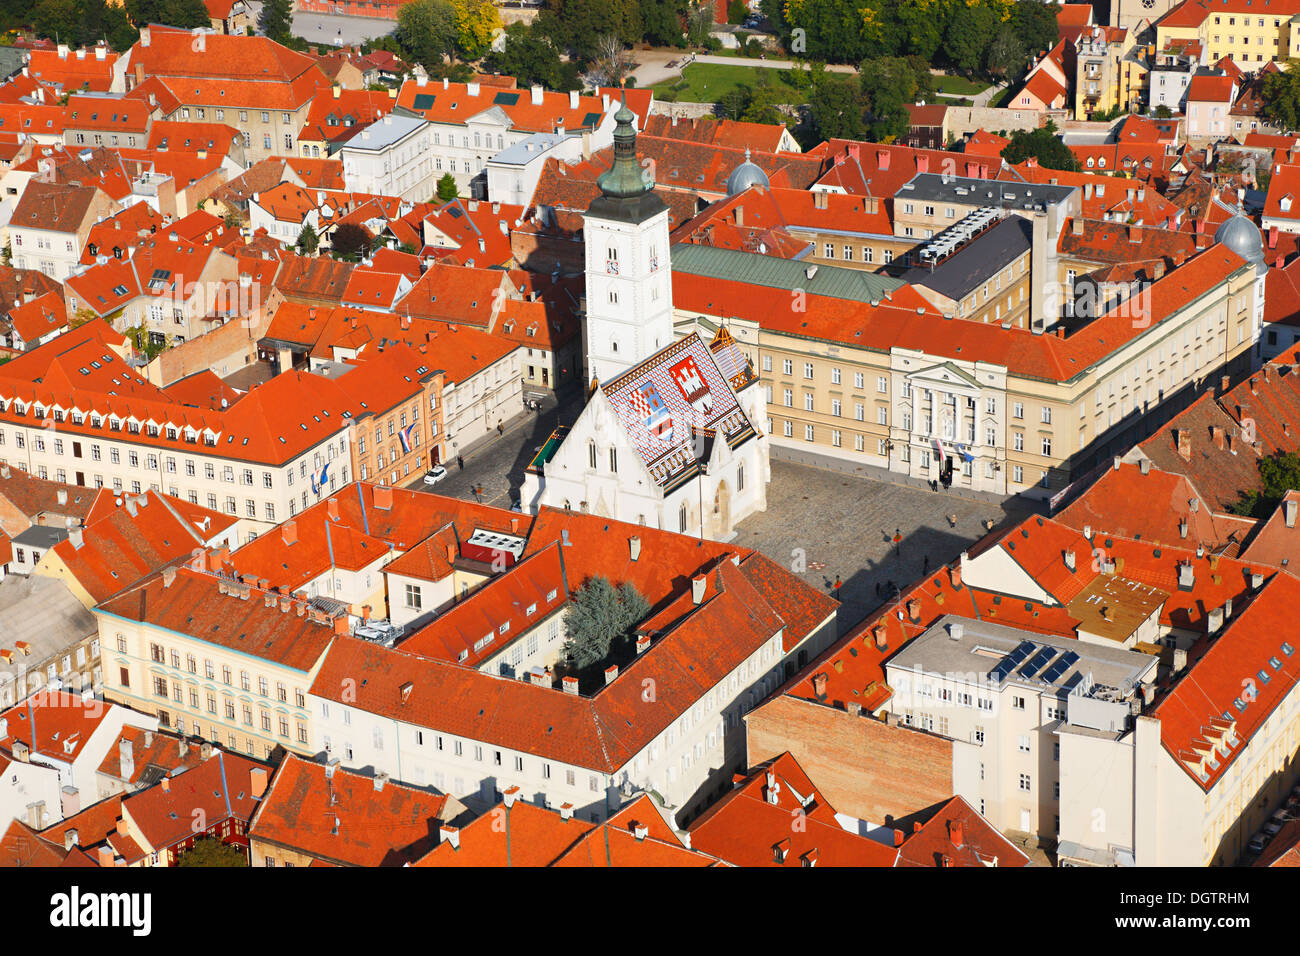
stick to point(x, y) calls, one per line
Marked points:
point(709, 82)
point(959, 85)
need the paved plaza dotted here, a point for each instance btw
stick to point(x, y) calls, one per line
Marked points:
point(819, 523)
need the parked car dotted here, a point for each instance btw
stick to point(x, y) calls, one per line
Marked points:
point(1271, 828)
point(1257, 844)
point(435, 475)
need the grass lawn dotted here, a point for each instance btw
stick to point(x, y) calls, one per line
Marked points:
point(708, 82)
point(959, 85)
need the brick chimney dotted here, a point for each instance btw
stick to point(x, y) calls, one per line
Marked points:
point(880, 634)
point(289, 531)
point(570, 684)
point(819, 685)
point(955, 833)
point(642, 644)
point(332, 509)
point(383, 497)
point(257, 782)
point(611, 672)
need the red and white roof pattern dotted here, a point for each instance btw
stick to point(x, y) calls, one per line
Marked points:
point(674, 401)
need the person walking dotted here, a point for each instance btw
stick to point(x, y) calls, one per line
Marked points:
point(898, 542)
point(500, 428)
point(460, 463)
point(838, 584)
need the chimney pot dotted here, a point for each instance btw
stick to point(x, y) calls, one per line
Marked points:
point(450, 835)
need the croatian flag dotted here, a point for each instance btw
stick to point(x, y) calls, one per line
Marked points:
point(404, 436)
point(939, 450)
point(318, 483)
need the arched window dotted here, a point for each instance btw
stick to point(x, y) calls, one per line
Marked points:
point(681, 519)
point(591, 454)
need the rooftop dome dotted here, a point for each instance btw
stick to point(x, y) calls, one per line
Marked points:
point(745, 175)
point(1242, 236)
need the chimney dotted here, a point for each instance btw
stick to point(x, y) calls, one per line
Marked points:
point(570, 684)
point(166, 784)
point(380, 780)
point(127, 760)
point(1148, 693)
point(955, 833)
point(105, 857)
point(1214, 621)
point(331, 767)
point(1069, 560)
point(1256, 580)
point(332, 509)
point(566, 811)
point(70, 839)
point(1182, 528)
point(1179, 662)
point(880, 634)
point(914, 609)
point(1145, 466)
point(634, 545)
point(383, 497)
point(1289, 511)
point(739, 214)
point(697, 588)
point(639, 830)
point(289, 531)
point(1194, 505)
point(1186, 577)
point(341, 625)
point(610, 673)
point(450, 835)
point(956, 630)
point(257, 782)
point(819, 685)
point(954, 575)
point(898, 837)
point(168, 577)
point(1076, 227)
point(536, 94)
point(509, 796)
point(404, 692)
point(1115, 463)
point(642, 644)
point(1184, 439)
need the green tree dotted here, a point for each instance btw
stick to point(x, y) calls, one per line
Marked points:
point(209, 851)
point(1042, 144)
point(1278, 474)
point(837, 108)
point(737, 11)
point(531, 57)
point(447, 188)
point(1035, 23)
point(600, 621)
point(970, 33)
point(1006, 56)
point(1163, 112)
point(578, 25)
point(426, 30)
point(277, 19)
point(349, 241)
point(893, 83)
point(56, 18)
point(477, 22)
point(172, 13)
point(1280, 96)
point(661, 22)
point(308, 241)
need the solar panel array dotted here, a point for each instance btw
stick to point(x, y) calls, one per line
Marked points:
point(1034, 659)
point(1012, 661)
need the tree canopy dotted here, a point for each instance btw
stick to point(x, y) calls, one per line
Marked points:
point(601, 621)
point(1278, 474)
point(349, 241)
point(209, 851)
point(1280, 96)
point(1042, 144)
point(447, 188)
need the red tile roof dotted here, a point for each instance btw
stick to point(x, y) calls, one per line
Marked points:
point(74, 70)
point(1211, 89)
point(193, 604)
point(345, 819)
point(119, 548)
point(217, 790)
point(776, 816)
point(1250, 664)
point(54, 724)
point(958, 836)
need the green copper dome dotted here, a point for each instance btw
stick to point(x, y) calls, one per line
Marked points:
point(625, 179)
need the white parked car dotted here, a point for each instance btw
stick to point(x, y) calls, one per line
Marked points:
point(435, 475)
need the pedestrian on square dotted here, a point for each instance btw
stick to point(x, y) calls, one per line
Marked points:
point(460, 463)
